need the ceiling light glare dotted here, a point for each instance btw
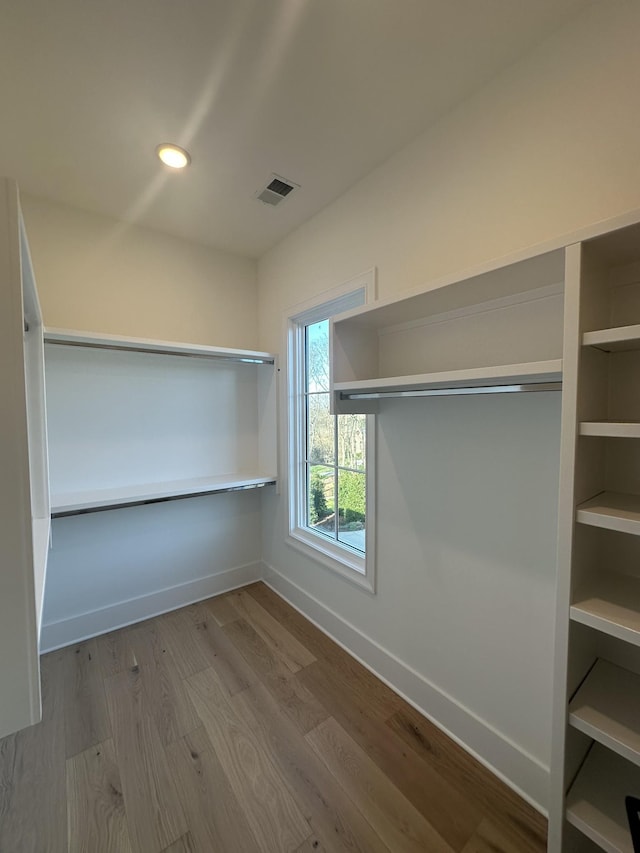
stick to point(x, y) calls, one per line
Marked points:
point(173, 156)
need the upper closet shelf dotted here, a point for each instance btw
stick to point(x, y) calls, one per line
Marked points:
point(94, 340)
point(614, 340)
point(530, 376)
point(75, 503)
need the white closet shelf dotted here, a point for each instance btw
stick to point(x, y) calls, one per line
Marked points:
point(612, 510)
point(611, 429)
point(509, 377)
point(69, 337)
point(606, 709)
point(614, 340)
point(73, 503)
point(595, 802)
point(611, 604)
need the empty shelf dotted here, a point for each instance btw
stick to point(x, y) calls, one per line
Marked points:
point(606, 707)
point(595, 802)
point(611, 429)
point(73, 503)
point(614, 340)
point(68, 337)
point(500, 377)
point(613, 511)
point(611, 605)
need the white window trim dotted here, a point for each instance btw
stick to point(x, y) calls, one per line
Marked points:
point(339, 558)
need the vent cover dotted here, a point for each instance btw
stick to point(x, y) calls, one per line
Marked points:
point(276, 190)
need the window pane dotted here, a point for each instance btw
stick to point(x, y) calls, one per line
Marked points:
point(351, 441)
point(352, 508)
point(320, 506)
point(317, 356)
point(320, 432)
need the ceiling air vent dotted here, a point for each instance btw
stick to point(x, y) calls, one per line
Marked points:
point(276, 190)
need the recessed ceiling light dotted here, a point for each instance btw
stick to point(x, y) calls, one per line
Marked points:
point(173, 155)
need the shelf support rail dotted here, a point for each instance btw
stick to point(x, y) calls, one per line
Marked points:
point(449, 392)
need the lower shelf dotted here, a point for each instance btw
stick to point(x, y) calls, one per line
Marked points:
point(613, 511)
point(611, 605)
point(595, 802)
point(75, 503)
point(606, 707)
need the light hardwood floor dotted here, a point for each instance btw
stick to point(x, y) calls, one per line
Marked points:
point(234, 725)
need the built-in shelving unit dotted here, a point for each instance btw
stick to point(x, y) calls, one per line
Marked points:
point(495, 331)
point(24, 495)
point(137, 421)
point(570, 320)
point(596, 799)
point(180, 439)
point(606, 708)
point(596, 746)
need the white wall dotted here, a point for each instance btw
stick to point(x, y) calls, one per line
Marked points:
point(109, 569)
point(101, 275)
point(115, 567)
point(463, 618)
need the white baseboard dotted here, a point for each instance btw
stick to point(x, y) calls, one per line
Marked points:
point(519, 770)
point(54, 635)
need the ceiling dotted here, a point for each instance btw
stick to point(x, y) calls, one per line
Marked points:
point(317, 91)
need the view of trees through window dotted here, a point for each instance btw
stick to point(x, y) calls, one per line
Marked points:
point(336, 452)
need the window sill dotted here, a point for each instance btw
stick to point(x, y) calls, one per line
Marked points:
point(348, 565)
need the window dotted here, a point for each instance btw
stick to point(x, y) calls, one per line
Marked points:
point(330, 465)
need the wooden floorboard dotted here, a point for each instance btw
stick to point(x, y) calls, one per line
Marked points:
point(451, 813)
point(95, 806)
point(233, 726)
point(86, 718)
point(334, 817)
point(213, 812)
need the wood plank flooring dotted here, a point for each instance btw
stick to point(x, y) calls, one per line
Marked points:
point(234, 726)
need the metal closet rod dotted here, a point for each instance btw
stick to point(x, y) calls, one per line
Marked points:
point(454, 392)
point(212, 357)
point(165, 499)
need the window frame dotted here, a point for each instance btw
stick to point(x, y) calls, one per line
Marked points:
point(339, 557)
